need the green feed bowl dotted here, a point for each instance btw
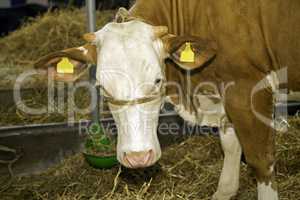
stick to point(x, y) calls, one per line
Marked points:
point(99, 162)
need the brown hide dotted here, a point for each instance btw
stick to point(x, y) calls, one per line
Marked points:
point(253, 37)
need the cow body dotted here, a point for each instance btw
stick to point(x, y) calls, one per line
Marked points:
point(254, 39)
point(245, 51)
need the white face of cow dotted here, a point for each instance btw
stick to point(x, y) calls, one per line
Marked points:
point(130, 66)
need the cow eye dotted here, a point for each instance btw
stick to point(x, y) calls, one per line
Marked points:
point(157, 81)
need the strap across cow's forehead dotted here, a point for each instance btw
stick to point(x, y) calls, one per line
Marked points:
point(110, 99)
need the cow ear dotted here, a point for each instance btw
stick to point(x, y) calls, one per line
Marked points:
point(189, 53)
point(89, 37)
point(68, 65)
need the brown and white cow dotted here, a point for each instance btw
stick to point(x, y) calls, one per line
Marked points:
point(240, 46)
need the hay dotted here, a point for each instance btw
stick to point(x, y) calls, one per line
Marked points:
point(57, 110)
point(42, 35)
point(189, 170)
point(48, 33)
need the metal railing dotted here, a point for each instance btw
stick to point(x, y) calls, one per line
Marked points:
point(91, 24)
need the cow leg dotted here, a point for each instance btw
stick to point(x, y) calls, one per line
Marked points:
point(248, 112)
point(229, 179)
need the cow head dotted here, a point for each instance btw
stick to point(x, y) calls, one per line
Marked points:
point(130, 70)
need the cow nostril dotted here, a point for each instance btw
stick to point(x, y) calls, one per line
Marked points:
point(138, 153)
point(150, 151)
point(139, 159)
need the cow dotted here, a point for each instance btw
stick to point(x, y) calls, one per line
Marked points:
point(240, 49)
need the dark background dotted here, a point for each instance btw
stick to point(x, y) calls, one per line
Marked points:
point(11, 18)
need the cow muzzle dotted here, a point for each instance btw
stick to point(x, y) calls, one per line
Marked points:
point(138, 158)
point(141, 159)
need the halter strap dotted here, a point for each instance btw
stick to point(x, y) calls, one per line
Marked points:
point(108, 97)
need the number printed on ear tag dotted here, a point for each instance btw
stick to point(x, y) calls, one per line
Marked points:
point(187, 55)
point(65, 66)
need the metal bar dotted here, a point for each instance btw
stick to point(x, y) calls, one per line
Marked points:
point(91, 19)
point(96, 97)
point(91, 15)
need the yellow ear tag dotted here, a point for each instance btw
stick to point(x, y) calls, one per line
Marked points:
point(65, 66)
point(187, 55)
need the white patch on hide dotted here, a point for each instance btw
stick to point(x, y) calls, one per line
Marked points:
point(186, 115)
point(229, 179)
point(209, 112)
point(266, 192)
point(85, 51)
point(189, 117)
point(129, 56)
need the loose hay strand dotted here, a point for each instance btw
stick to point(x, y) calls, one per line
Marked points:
point(116, 181)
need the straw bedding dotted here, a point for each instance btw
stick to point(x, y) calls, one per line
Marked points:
point(188, 170)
